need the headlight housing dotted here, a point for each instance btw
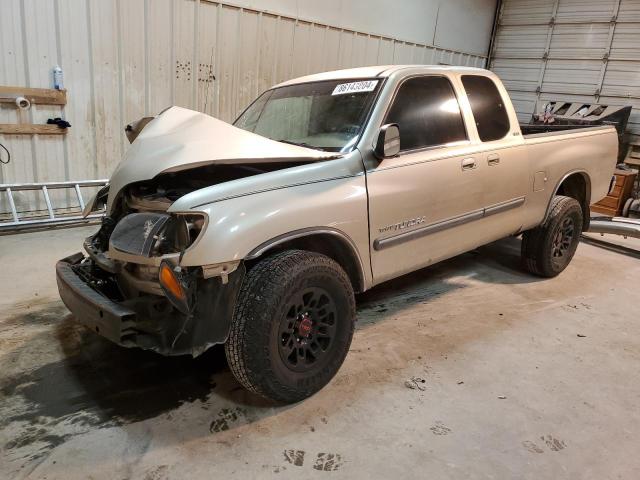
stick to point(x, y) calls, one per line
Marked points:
point(180, 232)
point(151, 234)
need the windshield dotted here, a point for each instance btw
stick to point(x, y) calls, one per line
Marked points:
point(326, 115)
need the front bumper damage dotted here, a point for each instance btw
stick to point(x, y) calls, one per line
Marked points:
point(148, 321)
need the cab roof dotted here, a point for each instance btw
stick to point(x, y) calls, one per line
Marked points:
point(380, 71)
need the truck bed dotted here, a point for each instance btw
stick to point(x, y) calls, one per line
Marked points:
point(537, 130)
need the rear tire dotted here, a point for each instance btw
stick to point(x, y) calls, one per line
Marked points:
point(292, 325)
point(548, 249)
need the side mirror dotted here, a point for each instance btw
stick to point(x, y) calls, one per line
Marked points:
point(388, 144)
point(134, 128)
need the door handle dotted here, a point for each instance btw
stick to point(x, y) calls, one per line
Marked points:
point(493, 159)
point(468, 163)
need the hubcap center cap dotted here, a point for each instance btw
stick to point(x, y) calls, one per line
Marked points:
point(558, 239)
point(304, 326)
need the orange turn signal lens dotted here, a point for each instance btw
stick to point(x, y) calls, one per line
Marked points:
point(170, 282)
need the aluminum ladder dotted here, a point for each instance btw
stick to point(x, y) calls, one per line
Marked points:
point(20, 222)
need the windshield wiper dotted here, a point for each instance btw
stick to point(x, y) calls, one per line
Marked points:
point(302, 144)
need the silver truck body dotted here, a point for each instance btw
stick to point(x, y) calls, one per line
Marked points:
point(382, 218)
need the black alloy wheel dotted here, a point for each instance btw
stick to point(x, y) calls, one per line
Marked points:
point(307, 331)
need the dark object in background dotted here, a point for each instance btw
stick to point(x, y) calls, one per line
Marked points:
point(580, 114)
point(621, 190)
point(554, 115)
point(4, 162)
point(133, 129)
point(59, 122)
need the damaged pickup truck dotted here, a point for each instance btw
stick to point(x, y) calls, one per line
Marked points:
point(256, 235)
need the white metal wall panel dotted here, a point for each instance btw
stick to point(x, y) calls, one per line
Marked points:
point(580, 40)
point(159, 44)
point(123, 59)
point(14, 71)
point(528, 12)
point(184, 54)
point(133, 95)
point(626, 41)
point(285, 31)
point(571, 76)
point(248, 61)
point(524, 103)
point(76, 51)
point(207, 28)
point(518, 75)
point(463, 25)
point(585, 11)
point(520, 41)
point(106, 84)
point(629, 12)
point(622, 79)
point(580, 50)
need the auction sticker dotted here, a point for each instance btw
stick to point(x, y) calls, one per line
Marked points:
point(355, 87)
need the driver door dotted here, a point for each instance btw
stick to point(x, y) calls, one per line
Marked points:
point(423, 203)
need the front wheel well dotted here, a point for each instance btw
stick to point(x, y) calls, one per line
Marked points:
point(333, 246)
point(578, 186)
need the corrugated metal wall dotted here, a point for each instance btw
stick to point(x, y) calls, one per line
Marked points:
point(123, 59)
point(576, 50)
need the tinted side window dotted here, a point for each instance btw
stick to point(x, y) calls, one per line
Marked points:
point(426, 110)
point(487, 106)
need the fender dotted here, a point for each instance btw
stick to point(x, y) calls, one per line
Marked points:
point(587, 200)
point(244, 227)
point(344, 239)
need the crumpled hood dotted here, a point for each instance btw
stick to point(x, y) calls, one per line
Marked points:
point(180, 138)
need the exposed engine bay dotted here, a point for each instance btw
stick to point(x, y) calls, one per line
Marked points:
point(133, 287)
point(158, 194)
point(126, 254)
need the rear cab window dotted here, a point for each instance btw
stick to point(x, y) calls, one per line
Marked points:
point(487, 106)
point(427, 112)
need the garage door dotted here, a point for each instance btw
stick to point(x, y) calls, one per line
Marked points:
point(575, 50)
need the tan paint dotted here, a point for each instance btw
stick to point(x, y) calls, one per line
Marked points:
point(539, 181)
point(480, 205)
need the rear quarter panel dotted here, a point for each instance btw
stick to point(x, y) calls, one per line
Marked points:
point(591, 151)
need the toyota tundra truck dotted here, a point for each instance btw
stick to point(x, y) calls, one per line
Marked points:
point(257, 235)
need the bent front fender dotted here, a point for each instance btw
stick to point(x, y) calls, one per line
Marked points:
point(239, 227)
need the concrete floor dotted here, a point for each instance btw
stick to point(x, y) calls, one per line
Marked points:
point(468, 369)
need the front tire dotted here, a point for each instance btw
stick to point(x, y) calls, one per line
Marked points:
point(548, 249)
point(292, 325)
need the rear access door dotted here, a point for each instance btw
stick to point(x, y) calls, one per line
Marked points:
point(500, 148)
point(431, 201)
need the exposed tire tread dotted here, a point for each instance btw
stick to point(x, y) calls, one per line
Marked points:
point(263, 283)
point(536, 242)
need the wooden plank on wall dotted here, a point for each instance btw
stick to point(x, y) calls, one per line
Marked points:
point(30, 129)
point(42, 96)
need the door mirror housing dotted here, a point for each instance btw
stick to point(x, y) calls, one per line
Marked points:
point(388, 144)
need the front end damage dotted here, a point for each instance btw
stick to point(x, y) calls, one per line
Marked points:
point(132, 286)
point(148, 321)
point(117, 291)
